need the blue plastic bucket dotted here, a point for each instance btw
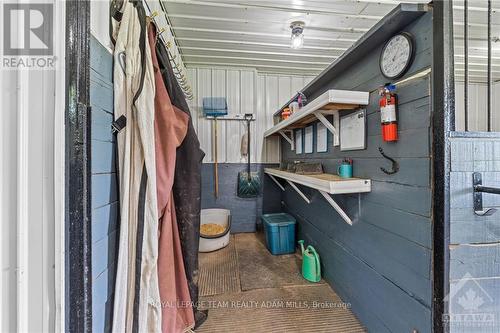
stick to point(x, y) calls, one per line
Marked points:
point(280, 233)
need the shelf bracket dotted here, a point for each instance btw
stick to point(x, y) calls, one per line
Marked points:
point(329, 126)
point(290, 138)
point(277, 182)
point(306, 199)
point(336, 207)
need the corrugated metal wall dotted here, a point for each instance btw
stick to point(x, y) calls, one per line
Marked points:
point(246, 92)
point(477, 107)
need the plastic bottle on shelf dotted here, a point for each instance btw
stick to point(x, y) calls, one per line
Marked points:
point(285, 113)
point(294, 107)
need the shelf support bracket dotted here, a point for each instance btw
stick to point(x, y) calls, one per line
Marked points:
point(329, 126)
point(290, 138)
point(306, 199)
point(336, 207)
point(277, 182)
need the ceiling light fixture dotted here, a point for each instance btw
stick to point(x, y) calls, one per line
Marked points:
point(297, 39)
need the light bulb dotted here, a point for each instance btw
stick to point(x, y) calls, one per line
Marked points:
point(297, 41)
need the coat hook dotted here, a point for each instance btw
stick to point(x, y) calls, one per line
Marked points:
point(158, 33)
point(395, 164)
point(478, 190)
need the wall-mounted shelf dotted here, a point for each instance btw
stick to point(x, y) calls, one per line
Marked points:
point(325, 183)
point(329, 103)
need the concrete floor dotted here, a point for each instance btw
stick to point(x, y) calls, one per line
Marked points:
point(246, 289)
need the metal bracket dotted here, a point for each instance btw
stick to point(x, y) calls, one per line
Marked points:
point(327, 196)
point(277, 182)
point(479, 189)
point(336, 207)
point(329, 126)
point(306, 199)
point(291, 139)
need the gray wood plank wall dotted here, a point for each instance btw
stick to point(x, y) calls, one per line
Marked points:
point(474, 240)
point(104, 190)
point(381, 264)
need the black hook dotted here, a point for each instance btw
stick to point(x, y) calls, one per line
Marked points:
point(395, 165)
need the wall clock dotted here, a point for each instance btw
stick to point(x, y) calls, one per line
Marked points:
point(397, 55)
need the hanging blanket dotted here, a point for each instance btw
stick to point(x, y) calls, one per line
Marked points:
point(171, 125)
point(136, 308)
point(187, 183)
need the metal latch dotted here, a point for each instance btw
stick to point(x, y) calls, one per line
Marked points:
point(479, 189)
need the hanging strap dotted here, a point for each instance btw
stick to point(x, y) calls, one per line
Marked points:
point(119, 124)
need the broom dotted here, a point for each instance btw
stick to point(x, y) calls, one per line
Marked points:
point(248, 182)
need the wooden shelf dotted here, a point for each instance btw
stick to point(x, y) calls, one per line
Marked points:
point(325, 183)
point(328, 103)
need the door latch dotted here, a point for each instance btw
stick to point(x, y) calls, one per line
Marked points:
point(479, 189)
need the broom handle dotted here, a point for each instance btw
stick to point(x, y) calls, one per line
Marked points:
point(248, 150)
point(216, 169)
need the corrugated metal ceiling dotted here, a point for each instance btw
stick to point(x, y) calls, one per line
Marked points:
point(256, 34)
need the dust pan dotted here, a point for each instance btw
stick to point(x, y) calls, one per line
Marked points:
point(248, 182)
point(215, 107)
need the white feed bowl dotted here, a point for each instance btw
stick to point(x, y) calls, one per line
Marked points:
point(217, 216)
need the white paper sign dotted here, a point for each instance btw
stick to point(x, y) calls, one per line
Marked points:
point(298, 141)
point(353, 131)
point(321, 138)
point(308, 140)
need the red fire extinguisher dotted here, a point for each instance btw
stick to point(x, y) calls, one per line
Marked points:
point(388, 102)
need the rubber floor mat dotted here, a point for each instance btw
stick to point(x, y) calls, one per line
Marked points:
point(219, 271)
point(313, 308)
point(260, 269)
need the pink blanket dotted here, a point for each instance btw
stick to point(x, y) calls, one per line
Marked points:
point(170, 130)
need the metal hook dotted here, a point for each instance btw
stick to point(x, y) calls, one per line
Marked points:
point(395, 165)
point(158, 34)
point(478, 190)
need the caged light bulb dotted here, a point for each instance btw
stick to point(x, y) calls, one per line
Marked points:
point(297, 41)
point(297, 38)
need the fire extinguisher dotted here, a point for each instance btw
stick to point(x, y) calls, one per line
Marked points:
point(388, 101)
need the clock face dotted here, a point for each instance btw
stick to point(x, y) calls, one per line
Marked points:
point(396, 56)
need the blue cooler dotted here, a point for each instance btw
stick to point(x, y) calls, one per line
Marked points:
point(280, 233)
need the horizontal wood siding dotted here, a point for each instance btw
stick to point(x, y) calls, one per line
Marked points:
point(382, 263)
point(104, 188)
point(474, 240)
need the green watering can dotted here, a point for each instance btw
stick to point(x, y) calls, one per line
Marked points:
point(311, 269)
